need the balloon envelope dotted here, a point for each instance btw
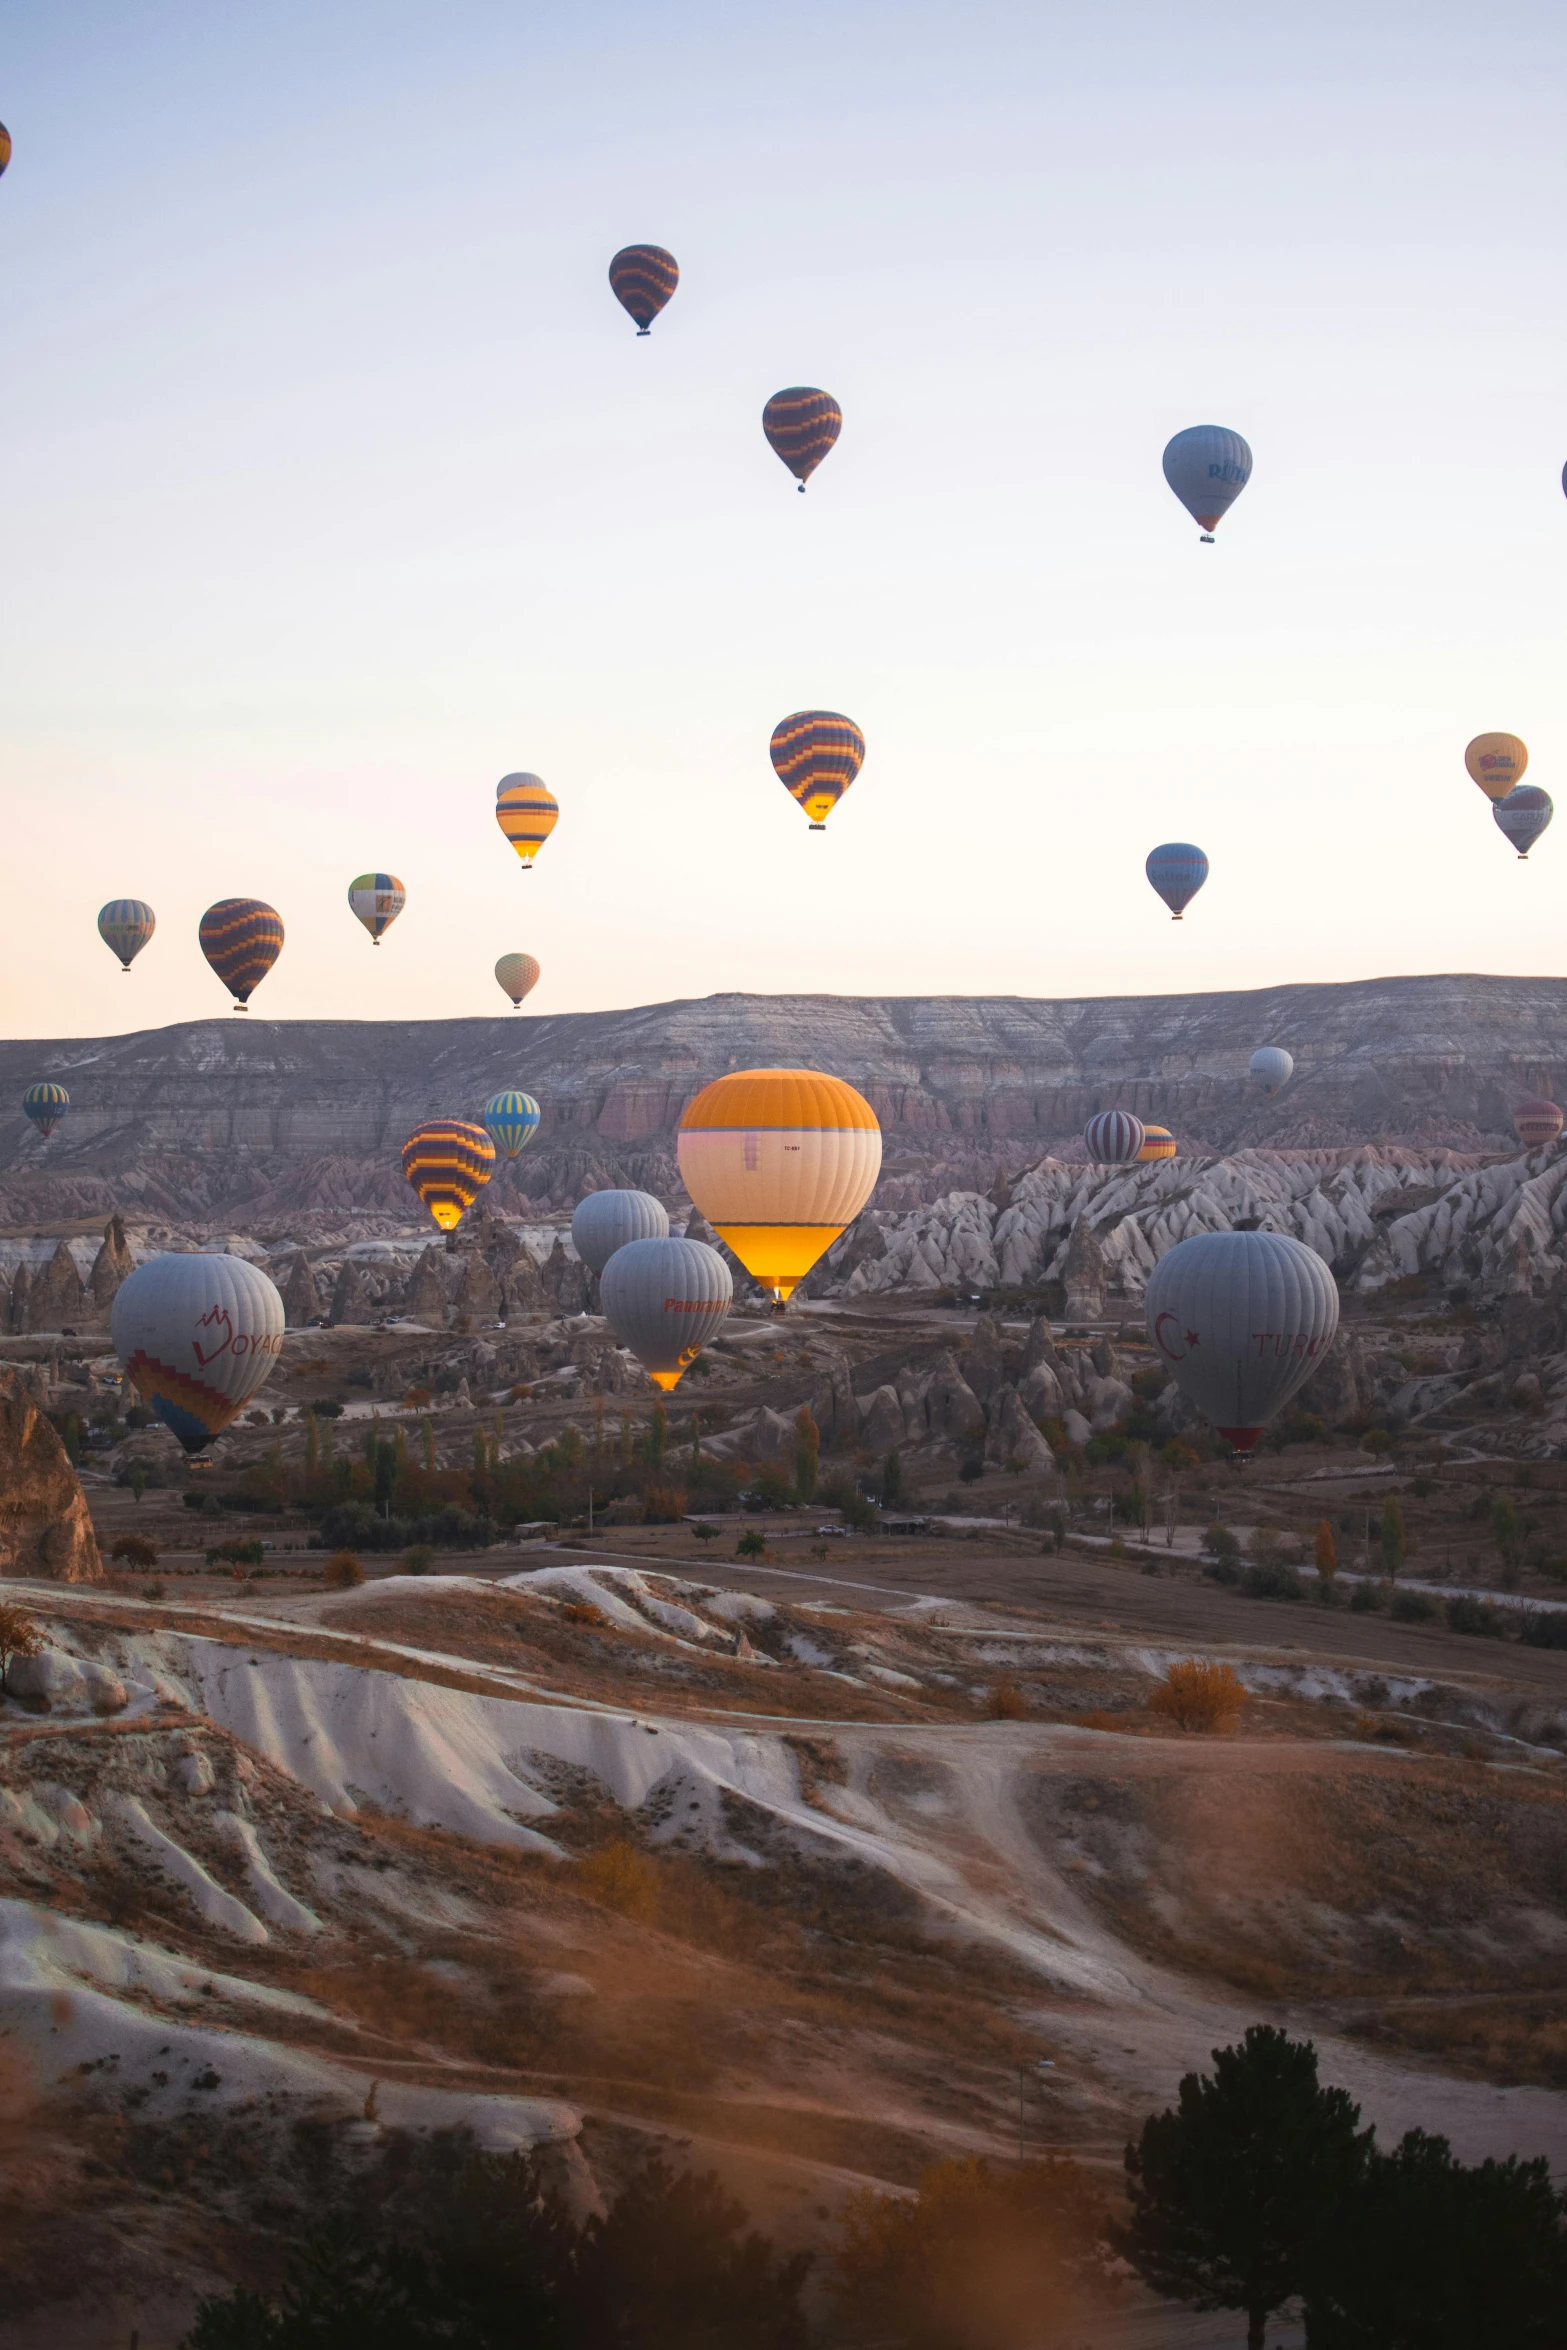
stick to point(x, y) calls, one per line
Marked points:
point(664, 1299)
point(511, 1120)
point(448, 1162)
point(817, 755)
point(609, 1220)
point(1272, 1067)
point(526, 812)
point(1158, 1143)
point(45, 1105)
point(1523, 815)
point(1207, 466)
point(801, 425)
point(1114, 1138)
point(377, 899)
point(516, 975)
point(125, 925)
point(643, 278)
point(1177, 872)
point(779, 1161)
point(197, 1335)
point(1497, 762)
point(241, 938)
point(1538, 1122)
point(5, 146)
point(1241, 1320)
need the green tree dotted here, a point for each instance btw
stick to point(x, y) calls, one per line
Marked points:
point(138, 1479)
point(696, 1440)
point(342, 1479)
point(1327, 1551)
point(1392, 1536)
point(383, 1469)
point(1231, 2190)
point(752, 1544)
point(807, 1450)
point(1504, 1528)
point(427, 1435)
point(891, 1478)
point(1431, 2255)
point(653, 1446)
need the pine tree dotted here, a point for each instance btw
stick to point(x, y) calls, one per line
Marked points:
point(1392, 1536)
point(1327, 1551)
point(807, 1450)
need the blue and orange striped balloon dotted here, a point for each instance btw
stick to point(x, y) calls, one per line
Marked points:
point(511, 1120)
point(1114, 1138)
point(527, 812)
point(801, 425)
point(46, 1105)
point(241, 938)
point(643, 278)
point(448, 1162)
point(125, 925)
point(1177, 871)
point(817, 755)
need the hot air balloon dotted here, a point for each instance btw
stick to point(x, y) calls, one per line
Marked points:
point(448, 1162)
point(1207, 466)
point(779, 1161)
point(5, 146)
point(817, 755)
point(1523, 816)
point(511, 1120)
point(1538, 1122)
point(1497, 762)
point(527, 813)
point(1114, 1138)
point(1158, 1143)
point(377, 899)
point(1177, 871)
point(241, 938)
point(801, 425)
point(664, 1299)
point(1241, 1319)
point(643, 278)
point(45, 1105)
point(607, 1220)
point(125, 925)
point(516, 975)
point(1272, 1067)
point(197, 1335)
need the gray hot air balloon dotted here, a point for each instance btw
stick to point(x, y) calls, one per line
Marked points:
point(607, 1220)
point(1241, 1319)
point(1207, 466)
point(1272, 1067)
point(664, 1299)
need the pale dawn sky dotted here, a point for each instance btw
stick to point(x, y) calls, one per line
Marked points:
point(336, 484)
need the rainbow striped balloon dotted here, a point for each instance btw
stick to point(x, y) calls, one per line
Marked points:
point(46, 1105)
point(241, 938)
point(643, 278)
point(801, 425)
point(1177, 871)
point(527, 813)
point(125, 925)
point(376, 899)
point(511, 1120)
point(1114, 1138)
point(448, 1162)
point(817, 755)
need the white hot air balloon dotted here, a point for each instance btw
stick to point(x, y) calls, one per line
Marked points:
point(198, 1335)
point(1272, 1067)
point(607, 1220)
point(1241, 1319)
point(664, 1299)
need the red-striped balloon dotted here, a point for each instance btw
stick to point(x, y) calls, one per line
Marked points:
point(1114, 1138)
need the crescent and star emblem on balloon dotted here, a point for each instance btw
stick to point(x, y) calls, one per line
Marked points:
point(1163, 1343)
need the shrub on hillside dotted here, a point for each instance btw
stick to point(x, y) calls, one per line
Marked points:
point(1270, 1578)
point(1199, 1695)
point(1543, 1627)
point(1412, 1607)
point(663, 1505)
point(234, 1554)
point(343, 1570)
point(1467, 1614)
point(1006, 1702)
point(135, 1550)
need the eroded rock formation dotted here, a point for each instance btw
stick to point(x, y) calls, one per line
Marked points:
point(45, 1530)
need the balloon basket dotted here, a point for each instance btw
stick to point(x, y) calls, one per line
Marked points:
point(1206, 539)
point(818, 828)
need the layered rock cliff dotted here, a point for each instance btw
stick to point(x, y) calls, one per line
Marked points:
point(274, 1120)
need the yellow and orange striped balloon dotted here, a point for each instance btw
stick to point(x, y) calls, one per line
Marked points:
point(1158, 1143)
point(448, 1162)
point(527, 813)
point(779, 1161)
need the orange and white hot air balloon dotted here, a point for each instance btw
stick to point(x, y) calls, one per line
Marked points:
point(1496, 762)
point(779, 1161)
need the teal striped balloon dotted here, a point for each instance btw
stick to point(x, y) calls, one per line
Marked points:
point(125, 925)
point(511, 1120)
point(46, 1104)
